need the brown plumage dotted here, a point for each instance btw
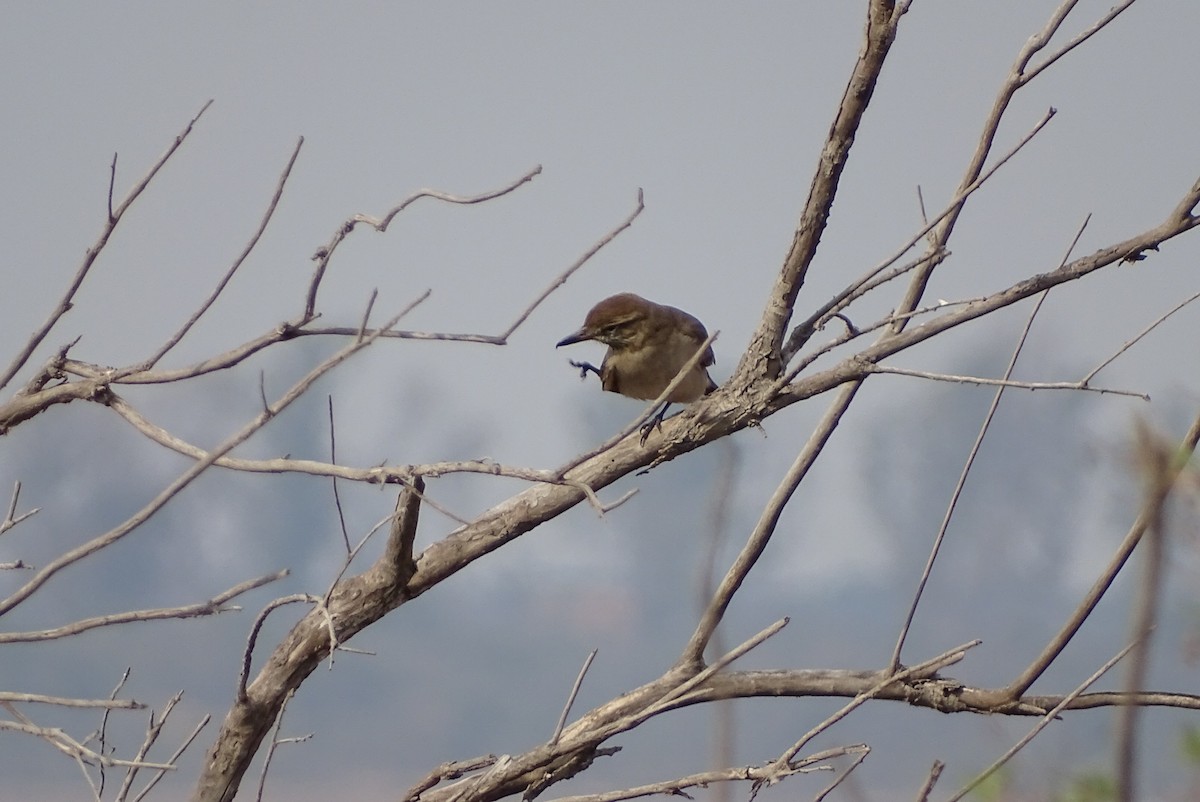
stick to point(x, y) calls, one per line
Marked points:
point(648, 344)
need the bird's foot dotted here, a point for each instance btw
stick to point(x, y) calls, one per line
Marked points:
point(653, 423)
point(584, 368)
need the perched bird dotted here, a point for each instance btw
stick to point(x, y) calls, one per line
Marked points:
point(648, 344)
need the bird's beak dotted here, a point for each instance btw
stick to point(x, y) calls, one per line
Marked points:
point(577, 337)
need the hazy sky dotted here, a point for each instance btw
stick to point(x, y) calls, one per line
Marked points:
point(718, 113)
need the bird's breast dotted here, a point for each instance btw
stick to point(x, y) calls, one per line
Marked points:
point(643, 373)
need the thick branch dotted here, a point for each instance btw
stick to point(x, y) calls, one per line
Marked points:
point(354, 603)
point(763, 355)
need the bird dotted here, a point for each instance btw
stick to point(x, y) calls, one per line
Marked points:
point(648, 344)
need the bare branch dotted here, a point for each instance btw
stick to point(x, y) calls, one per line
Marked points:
point(570, 271)
point(935, 771)
point(153, 730)
point(1140, 335)
point(451, 770)
point(256, 627)
point(175, 338)
point(114, 217)
point(69, 746)
point(763, 356)
point(962, 481)
point(1021, 385)
point(1028, 75)
point(112, 182)
point(562, 719)
point(1050, 716)
point(1017, 292)
point(214, 606)
point(754, 774)
point(142, 515)
point(682, 689)
point(860, 752)
point(1159, 469)
point(37, 698)
point(1081, 613)
point(102, 735)
point(854, 332)
point(934, 665)
point(275, 742)
point(11, 518)
point(324, 254)
point(337, 499)
point(1017, 78)
point(397, 563)
point(693, 653)
point(876, 277)
point(159, 774)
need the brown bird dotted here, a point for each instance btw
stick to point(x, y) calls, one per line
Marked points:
point(648, 344)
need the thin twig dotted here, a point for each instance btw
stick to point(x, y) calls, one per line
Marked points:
point(275, 742)
point(1045, 721)
point(62, 701)
point(1020, 385)
point(1130, 343)
point(174, 759)
point(366, 318)
point(11, 518)
point(944, 659)
point(153, 730)
point(102, 735)
point(114, 217)
point(144, 514)
point(337, 499)
point(325, 253)
point(809, 358)
point(1050, 653)
point(1083, 36)
point(971, 455)
point(860, 755)
point(213, 606)
point(1018, 77)
point(935, 771)
point(1158, 475)
point(875, 277)
point(175, 338)
point(69, 746)
point(252, 639)
point(755, 774)
point(112, 183)
point(562, 719)
point(679, 691)
point(724, 736)
point(566, 274)
point(765, 528)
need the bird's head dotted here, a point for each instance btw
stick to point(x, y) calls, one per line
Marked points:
point(618, 321)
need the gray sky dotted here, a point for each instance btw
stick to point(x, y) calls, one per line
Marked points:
point(718, 113)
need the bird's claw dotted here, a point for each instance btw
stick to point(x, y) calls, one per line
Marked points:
point(653, 423)
point(584, 368)
point(649, 426)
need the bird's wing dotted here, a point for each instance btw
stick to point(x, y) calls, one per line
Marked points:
point(696, 331)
